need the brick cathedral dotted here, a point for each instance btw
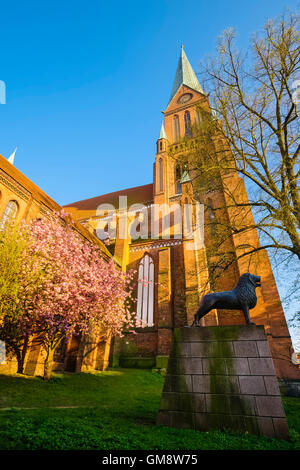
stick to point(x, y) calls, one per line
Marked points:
point(175, 274)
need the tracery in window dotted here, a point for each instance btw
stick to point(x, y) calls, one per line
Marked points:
point(187, 124)
point(9, 213)
point(178, 175)
point(161, 175)
point(199, 117)
point(176, 128)
point(145, 292)
point(211, 215)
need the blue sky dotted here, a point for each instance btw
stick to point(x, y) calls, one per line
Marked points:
point(86, 82)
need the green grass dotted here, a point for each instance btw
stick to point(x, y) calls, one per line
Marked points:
point(117, 411)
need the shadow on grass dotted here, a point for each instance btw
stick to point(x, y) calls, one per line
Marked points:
point(121, 407)
point(110, 389)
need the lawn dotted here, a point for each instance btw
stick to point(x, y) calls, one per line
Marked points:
point(108, 410)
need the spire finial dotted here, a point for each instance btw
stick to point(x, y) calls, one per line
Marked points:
point(162, 134)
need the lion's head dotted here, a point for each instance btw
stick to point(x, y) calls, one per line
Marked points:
point(247, 277)
point(245, 289)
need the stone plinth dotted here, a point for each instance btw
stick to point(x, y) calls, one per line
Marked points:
point(222, 377)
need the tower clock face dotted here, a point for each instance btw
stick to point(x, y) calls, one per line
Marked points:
point(185, 98)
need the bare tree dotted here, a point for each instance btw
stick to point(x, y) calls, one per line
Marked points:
point(252, 129)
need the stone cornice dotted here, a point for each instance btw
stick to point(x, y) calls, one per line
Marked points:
point(154, 245)
point(14, 186)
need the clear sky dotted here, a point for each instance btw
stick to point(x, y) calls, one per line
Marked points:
point(86, 82)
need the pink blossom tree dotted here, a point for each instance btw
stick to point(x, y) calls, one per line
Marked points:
point(20, 278)
point(80, 292)
point(56, 285)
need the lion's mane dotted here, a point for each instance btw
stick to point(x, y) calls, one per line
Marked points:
point(245, 291)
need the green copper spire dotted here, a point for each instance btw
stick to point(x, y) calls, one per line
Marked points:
point(162, 134)
point(185, 75)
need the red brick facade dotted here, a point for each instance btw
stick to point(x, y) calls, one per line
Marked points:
point(180, 274)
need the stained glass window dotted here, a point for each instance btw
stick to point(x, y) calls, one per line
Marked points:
point(176, 129)
point(187, 123)
point(161, 175)
point(9, 213)
point(145, 293)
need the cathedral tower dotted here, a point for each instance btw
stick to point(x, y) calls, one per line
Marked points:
point(176, 276)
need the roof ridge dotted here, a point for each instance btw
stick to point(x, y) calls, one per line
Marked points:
point(109, 194)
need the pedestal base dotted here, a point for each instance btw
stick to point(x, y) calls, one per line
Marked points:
point(222, 377)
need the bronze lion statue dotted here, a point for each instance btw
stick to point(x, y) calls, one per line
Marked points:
point(242, 297)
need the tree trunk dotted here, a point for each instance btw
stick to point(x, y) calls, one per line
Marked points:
point(20, 362)
point(21, 356)
point(48, 364)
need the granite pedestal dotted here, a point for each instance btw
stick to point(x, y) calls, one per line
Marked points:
point(222, 377)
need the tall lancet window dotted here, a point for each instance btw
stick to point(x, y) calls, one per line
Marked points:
point(161, 175)
point(178, 174)
point(212, 217)
point(145, 293)
point(187, 124)
point(199, 117)
point(9, 213)
point(176, 128)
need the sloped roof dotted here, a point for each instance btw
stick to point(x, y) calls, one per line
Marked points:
point(44, 201)
point(136, 195)
point(185, 177)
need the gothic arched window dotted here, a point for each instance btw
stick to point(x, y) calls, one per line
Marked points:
point(178, 174)
point(9, 213)
point(211, 215)
point(145, 292)
point(161, 174)
point(199, 117)
point(187, 124)
point(176, 128)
